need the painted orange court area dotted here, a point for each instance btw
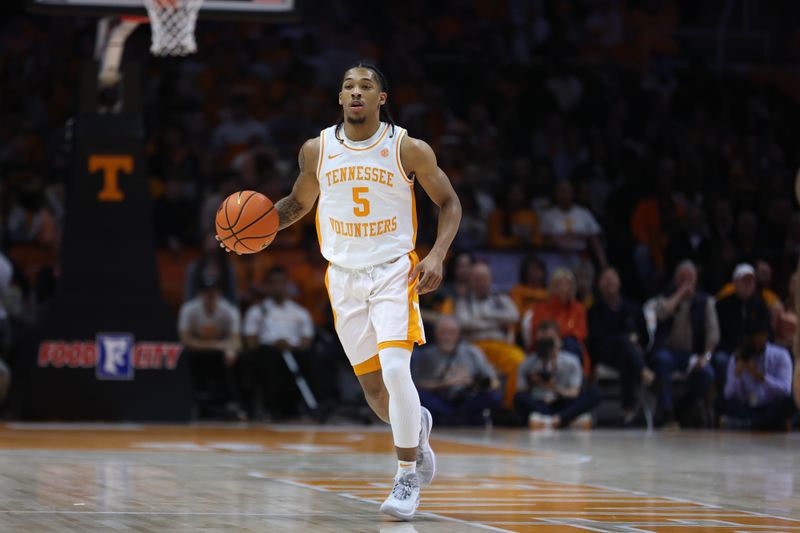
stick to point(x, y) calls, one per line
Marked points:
point(522, 504)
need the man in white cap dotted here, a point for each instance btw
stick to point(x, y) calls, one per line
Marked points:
point(743, 310)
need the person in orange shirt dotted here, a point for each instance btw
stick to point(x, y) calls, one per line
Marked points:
point(514, 224)
point(563, 309)
point(531, 288)
point(653, 220)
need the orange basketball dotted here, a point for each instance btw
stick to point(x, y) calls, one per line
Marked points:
point(246, 222)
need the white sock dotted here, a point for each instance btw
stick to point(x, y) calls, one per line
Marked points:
point(405, 467)
point(404, 408)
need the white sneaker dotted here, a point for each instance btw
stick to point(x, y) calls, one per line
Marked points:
point(582, 422)
point(426, 459)
point(403, 501)
point(540, 421)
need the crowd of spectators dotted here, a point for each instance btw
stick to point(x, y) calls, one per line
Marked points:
point(583, 137)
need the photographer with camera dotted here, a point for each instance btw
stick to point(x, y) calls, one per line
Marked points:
point(455, 381)
point(549, 385)
point(758, 390)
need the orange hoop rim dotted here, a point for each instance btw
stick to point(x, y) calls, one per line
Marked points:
point(141, 19)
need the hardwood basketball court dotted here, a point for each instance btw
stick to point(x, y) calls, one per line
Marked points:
point(72, 477)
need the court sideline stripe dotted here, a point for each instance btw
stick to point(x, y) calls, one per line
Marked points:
point(373, 502)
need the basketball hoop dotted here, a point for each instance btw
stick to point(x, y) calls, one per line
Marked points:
point(172, 24)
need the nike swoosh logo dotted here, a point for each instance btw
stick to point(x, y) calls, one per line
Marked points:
point(331, 156)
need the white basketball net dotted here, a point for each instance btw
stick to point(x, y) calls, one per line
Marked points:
point(172, 24)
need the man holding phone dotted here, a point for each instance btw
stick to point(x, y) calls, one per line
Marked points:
point(549, 385)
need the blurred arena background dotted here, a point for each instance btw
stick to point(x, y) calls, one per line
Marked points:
point(614, 158)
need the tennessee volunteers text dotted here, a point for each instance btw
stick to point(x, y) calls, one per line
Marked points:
point(363, 229)
point(360, 173)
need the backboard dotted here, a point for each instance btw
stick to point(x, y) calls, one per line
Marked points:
point(212, 9)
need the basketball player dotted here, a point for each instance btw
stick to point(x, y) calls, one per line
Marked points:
point(363, 170)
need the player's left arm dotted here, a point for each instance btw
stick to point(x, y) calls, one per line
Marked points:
point(418, 158)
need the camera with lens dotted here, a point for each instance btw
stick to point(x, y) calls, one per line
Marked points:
point(483, 384)
point(751, 345)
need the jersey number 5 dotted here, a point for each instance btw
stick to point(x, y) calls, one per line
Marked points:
point(362, 204)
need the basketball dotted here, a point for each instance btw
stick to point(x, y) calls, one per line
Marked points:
point(246, 222)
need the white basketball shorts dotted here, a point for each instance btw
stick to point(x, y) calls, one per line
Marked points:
point(374, 308)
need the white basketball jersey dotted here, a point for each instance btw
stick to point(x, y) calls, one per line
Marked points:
point(366, 213)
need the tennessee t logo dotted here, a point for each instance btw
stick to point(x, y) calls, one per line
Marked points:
point(111, 165)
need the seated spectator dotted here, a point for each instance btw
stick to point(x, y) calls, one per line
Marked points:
point(762, 273)
point(487, 319)
point(740, 311)
point(549, 385)
point(513, 224)
point(570, 227)
point(213, 264)
point(758, 391)
point(32, 219)
point(532, 288)
point(455, 381)
point(618, 338)
point(563, 309)
point(271, 326)
point(686, 334)
point(209, 328)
